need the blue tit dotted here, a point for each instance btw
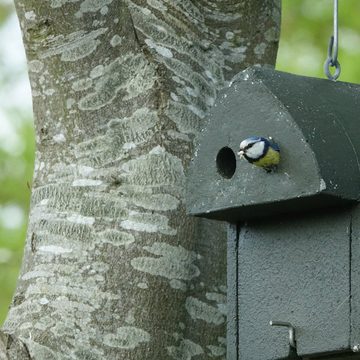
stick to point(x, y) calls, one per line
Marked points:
point(260, 152)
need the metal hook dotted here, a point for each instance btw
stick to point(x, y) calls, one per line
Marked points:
point(330, 62)
point(332, 59)
point(292, 341)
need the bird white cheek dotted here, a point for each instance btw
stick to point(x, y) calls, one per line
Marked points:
point(256, 150)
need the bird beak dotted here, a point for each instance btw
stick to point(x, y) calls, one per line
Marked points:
point(241, 154)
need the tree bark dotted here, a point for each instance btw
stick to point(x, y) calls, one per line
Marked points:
point(113, 268)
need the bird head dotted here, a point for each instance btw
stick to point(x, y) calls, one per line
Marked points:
point(252, 147)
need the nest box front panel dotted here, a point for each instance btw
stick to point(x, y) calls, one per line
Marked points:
point(317, 131)
point(299, 275)
point(219, 180)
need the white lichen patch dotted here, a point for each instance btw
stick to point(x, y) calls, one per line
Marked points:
point(127, 337)
point(92, 6)
point(116, 40)
point(161, 34)
point(31, 306)
point(210, 101)
point(185, 351)
point(36, 93)
point(322, 185)
point(216, 351)
point(79, 289)
point(74, 46)
point(35, 66)
point(116, 237)
point(97, 71)
point(143, 285)
point(62, 302)
point(272, 34)
point(157, 150)
point(59, 138)
point(49, 92)
point(44, 323)
point(59, 3)
point(129, 146)
point(259, 50)
point(25, 325)
point(104, 10)
point(130, 317)
point(80, 219)
point(54, 249)
point(69, 103)
point(160, 202)
point(131, 74)
point(81, 84)
point(43, 301)
point(199, 112)
point(276, 14)
point(219, 298)
point(30, 15)
point(178, 284)
point(229, 35)
point(174, 96)
point(234, 54)
point(186, 74)
point(134, 129)
point(185, 119)
point(192, 92)
point(44, 352)
point(161, 50)
point(145, 11)
point(37, 274)
point(178, 136)
point(158, 5)
point(172, 262)
point(148, 222)
point(97, 23)
point(155, 168)
point(85, 170)
point(86, 182)
point(176, 78)
point(200, 310)
point(210, 76)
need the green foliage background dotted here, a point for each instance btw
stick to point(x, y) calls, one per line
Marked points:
point(305, 32)
point(306, 27)
point(16, 167)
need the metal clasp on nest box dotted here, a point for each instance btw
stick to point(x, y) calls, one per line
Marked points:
point(292, 341)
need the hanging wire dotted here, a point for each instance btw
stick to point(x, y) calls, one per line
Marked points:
point(332, 59)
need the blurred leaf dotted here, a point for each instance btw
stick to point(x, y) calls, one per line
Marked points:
point(16, 153)
point(16, 171)
point(5, 12)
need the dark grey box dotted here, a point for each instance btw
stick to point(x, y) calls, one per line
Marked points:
point(294, 234)
point(316, 123)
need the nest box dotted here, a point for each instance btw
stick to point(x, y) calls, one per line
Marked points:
point(316, 124)
point(294, 233)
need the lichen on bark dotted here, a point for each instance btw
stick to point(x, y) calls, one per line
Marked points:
point(113, 266)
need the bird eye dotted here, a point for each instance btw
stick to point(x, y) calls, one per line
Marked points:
point(248, 146)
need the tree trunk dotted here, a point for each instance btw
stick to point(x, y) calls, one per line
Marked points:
point(113, 267)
